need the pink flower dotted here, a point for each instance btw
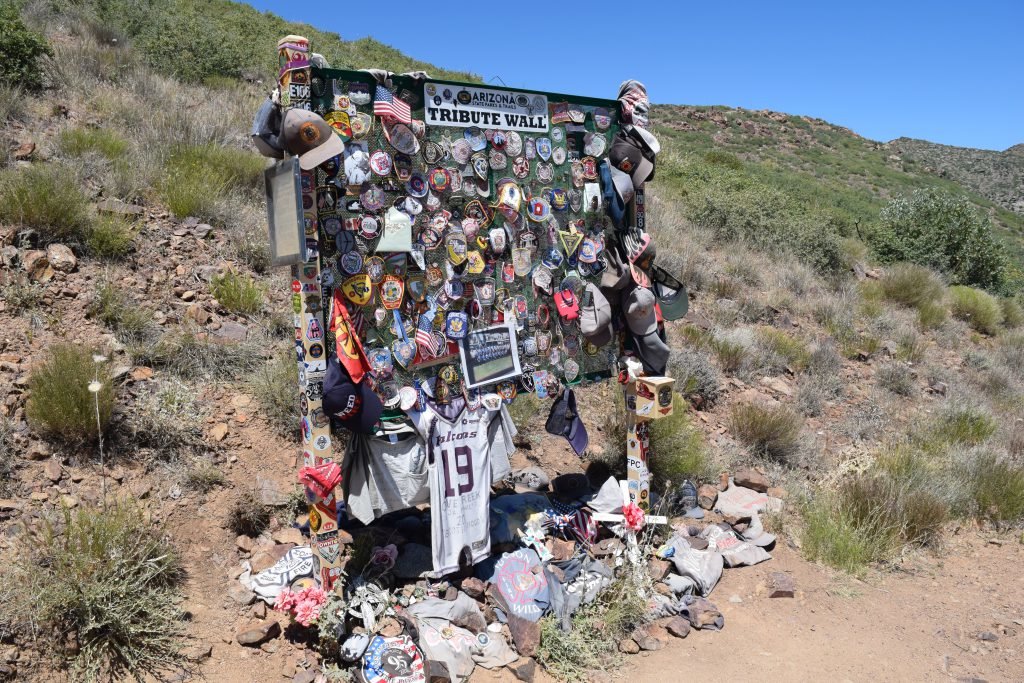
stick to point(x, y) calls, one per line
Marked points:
point(313, 594)
point(384, 557)
point(286, 601)
point(634, 517)
point(306, 612)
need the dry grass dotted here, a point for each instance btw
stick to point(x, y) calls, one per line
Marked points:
point(238, 293)
point(772, 431)
point(60, 404)
point(46, 198)
point(977, 308)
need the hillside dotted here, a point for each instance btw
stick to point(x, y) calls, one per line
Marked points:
point(880, 403)
point(997, 176)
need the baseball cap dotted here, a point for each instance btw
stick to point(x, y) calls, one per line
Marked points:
point(530, 479)
point(633, 152)
point(640, 249)
point(564, 420)
point(652, 351)
point(617, 188)
point(639, 309)
point(266, 130)
point(307, 135)
point(671, 294)
point(595, 316)
point(356, 406)
point(616, 275)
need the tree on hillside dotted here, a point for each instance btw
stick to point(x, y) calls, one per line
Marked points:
point(943, 232)
point(21, 51)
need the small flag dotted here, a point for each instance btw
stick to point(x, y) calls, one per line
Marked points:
point(424, 337)
point(578, 522)
point(386, 105)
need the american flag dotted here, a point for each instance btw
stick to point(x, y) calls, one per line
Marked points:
point(386, 105)
point(424, 339)
point(578, 522)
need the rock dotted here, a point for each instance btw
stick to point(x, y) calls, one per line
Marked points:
point(288, 535)
point(53, 470)
point(751, 479)
point(265, 559)
point(658, 569)
point(525, 634)
point(258, 634)
point(939, 388)
point(197, 313)
point(438, 671)
point(473, 587)
point(9, 504)
point(607, 547)
point(706, 496)
point(198, 653)
point(188, 296)
point(628, 646)
point(69, 502)
point(306, 676)
point(117, 206)
point(890, 348)
point(723, 481)
point(778, 385)
point(240, 595)
point(451, 594)
point(244, 543)
point(651, 637)
point(988, 636)
point(259, 610)
point(678, 627)
point(219, 431)
point(37, 266)
point(61, 258)
point(560, 549)
point(231, 331)
point(781, 585)
point(524, 669)
point(390, 627)
point(202, 230)
point(25, 151)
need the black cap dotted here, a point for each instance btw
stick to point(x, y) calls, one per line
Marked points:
point(356, 406)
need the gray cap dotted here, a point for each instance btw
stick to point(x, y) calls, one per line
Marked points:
point(307, 135)
point(595, 316)
point(639, 310)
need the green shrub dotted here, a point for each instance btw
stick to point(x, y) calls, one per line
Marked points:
point(21, 51)
point(249, 516)
point(960, 426)
point(931, 315)
point(8, 457)
point(130, 323)
point(831, 537)
point(60, 403)
point(47, 198)
point(1013, 314)
point(897, 378)
point(911, 285)
point(238, 293)
point(110, 238)
point(996, 487)
point(678, 451)
point(77, 142)
point(720, 158)
point(107, 584)
point(276, 387)
point(978, 309)
point(528, 415)
point(773, 431)
point(732, 356)
point(196, 176)
point(940, 231)
point(203, 477)
point(22, 296)
point(779, 346)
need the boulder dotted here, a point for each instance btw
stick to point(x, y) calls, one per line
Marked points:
point(628, 646)
point(61, 258)
point(706, 496)
point(651, 637)
point(678, 627)
point(751, 479)
point(258, 633)
point(37, 266)
point(781, 585)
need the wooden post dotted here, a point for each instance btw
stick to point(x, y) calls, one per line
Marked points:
point(310, 329)
point(638, 447)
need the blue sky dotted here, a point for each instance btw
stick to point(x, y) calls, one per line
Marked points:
point(950, 72)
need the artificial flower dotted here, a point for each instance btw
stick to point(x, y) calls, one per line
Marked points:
point(633, 516)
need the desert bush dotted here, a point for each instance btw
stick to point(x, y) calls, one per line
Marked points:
point(22, 51)
point(110, 238)
point(831, 537)
point(824, 360)
point(943, 232)
point(958, 426)
point(978, 309)
point(911, 285)
point(8, 457)
point(22, 296)
point(1013, 313)
point(721, 158)
point(696, 378)
point(249, 516)
point(188, 356)
point(60, 403)
point(130, 323)
point(781, 350)
point(528, 416)
point(275, 386)
point(815, 390)
point(931, 315)
point(1015, 442)
point(107, 584)
point(678, 449)
point(897, 378)
point(732, 356)
point(1011, 352)
point(911, 346)
point(772, 431)
point(167, 422)
point(195, 177)
point(47, 198)
point(996, 487)
point(77, 142)
point(238, 293)
point(203, 477)
point(13, 103)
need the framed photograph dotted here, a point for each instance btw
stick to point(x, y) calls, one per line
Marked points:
point(490, 355)
point(283, 183)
